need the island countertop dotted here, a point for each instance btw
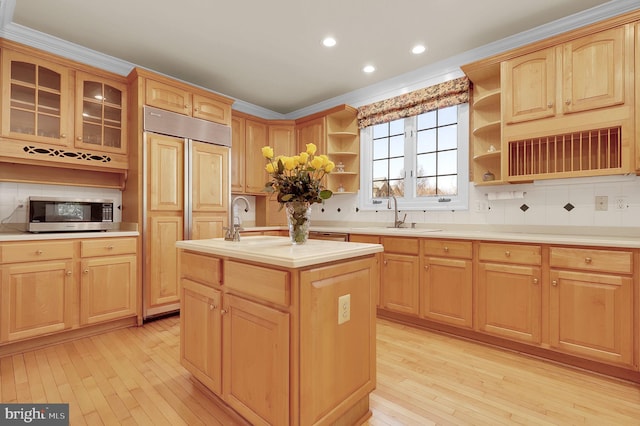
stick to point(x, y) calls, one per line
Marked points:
point(279, 250)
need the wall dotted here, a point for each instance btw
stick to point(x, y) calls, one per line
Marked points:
point(545, 203)
point(12, 195)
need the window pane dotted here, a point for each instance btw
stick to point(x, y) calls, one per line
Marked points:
point(396, 168)
point(448, 137)
point(380, 130)
point(380, 169)
point(396, 127)
point(448, 162)
point(426, 165)
point(447, 185)
point(426, 187)
point(380, 148)
point(396, 146)
point(397, 187)
point(427, 120)
point(426, 141)
point(448, 115)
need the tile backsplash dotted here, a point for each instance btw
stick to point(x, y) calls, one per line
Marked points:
point(13, 195)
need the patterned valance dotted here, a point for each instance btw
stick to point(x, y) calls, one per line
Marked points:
point(449, 93)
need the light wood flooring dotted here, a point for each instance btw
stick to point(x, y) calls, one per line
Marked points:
point(133, 376)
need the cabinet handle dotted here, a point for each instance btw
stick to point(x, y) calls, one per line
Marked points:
point(535, 281)
point(587, 260)
point(86, 271)
point(39, 252)
point(446, 249)
point(550, 105)
point(554, 283)
point(507, 253)
point(68, 273)
point(568, 102)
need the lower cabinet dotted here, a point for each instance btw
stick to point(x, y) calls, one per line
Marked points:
point(446, 282)
point(591, 303)
point(399, 286)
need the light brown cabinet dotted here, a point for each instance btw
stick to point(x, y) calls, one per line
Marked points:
point(591, 303)
point(343, 148)
point(446, 282)
point(311, 130)
point(108, 280)
point(509, 295)
point(238, 154)
point(181, 99)
point(256, 137)
point(399, 286)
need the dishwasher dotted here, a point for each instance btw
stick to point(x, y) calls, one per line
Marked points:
point(332, 236)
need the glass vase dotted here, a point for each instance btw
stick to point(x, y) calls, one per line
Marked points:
point(299, 219)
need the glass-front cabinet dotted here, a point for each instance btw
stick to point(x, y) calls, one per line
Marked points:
point(100, 114)
point(37, 105)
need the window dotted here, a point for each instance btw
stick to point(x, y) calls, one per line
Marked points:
point(421, 160)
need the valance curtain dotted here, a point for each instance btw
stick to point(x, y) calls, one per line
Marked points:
point(449, 93)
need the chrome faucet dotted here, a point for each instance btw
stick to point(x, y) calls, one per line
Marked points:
point(235, 226)
point(396, 223)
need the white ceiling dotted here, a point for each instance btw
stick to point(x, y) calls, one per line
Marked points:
point(269, 53)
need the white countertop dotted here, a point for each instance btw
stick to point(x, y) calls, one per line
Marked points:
point(279, 250)
point(600, 237)
point(6, 236)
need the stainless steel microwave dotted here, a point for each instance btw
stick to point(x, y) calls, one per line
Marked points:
point(51, 214)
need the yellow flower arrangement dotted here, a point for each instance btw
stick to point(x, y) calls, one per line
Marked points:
point(298, 178)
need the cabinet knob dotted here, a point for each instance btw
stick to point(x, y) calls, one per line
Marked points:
point(535, 281)
point(63, 136)
point(79, 138)
point(109, 247)
point(587, 260)
point(554, 283)
point(68, 273)
point(568, 102)
point(550, 105)
point(223, 311)
point(385, 262)
point(426, 266)
point(446, 249)
point(39, 252)
point(507, 253)
point(86, 271)
point(212, 307)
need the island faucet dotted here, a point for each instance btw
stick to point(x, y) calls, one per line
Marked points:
point(396, 223)
point(235, 223)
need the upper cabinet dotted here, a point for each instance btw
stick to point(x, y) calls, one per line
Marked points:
point(562, 107)
point(101, 114)
point(175, 97)
point(343, 148)
point(35, 102)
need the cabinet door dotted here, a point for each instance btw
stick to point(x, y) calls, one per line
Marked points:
point(37, 298)
point(312, 131)
point(107, 289)
point(528, 86)
point(211, 109)
point(282, 139)
point(167, 97)
point(36, 100)
point(509, 301)
point(399, 286)
point(161, 283)
point(165, 172)
point(237, 154)
point(592, 315)
point(210, 177)
point(594, 71)
point(207, 225)
point(255, 174)
point(446, 291)
point(256, 366)
point(101, 114)
point(201, 333)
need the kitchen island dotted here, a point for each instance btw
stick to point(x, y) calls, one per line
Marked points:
point(282, 334)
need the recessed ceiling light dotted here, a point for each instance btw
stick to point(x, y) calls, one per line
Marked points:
point(369, 69)
point(329, 41)
point(418, 49)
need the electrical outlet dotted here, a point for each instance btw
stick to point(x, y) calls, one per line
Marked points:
point(621, 203)
point(482, 206)
point(602, 203)
point(344, 308)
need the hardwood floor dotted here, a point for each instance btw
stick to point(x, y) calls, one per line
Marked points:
point(133, 376)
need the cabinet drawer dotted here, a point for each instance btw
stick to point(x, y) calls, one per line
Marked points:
point(447, 248)
point(266, 284)
point(591, 260)
point(36, 251)
point(200, 268)
point(400, 245)
point(510, 253)
point(107, 247)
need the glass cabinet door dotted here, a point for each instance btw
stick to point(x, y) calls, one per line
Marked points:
point(101, 114)
point(36, 106)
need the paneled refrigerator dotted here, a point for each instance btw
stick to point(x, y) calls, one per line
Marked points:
point(186, 194)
